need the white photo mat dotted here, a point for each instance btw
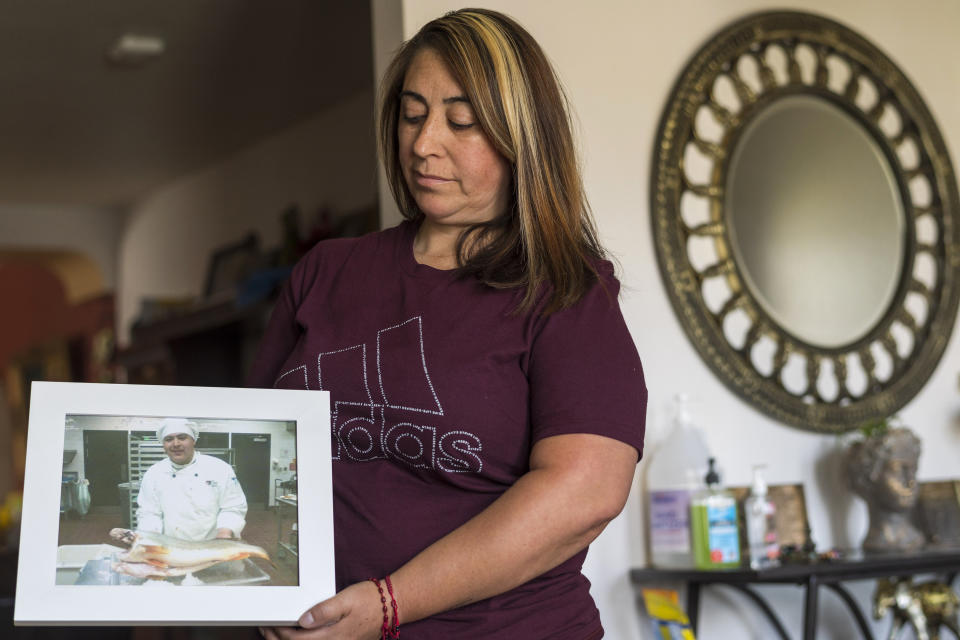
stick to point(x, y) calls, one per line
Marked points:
point(39, 601)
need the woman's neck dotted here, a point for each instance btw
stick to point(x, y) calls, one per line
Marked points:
point(436, 245)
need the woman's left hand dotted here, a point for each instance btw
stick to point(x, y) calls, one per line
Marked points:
point(355, 613)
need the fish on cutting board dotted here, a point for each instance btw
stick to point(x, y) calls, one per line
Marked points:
point(153, 555)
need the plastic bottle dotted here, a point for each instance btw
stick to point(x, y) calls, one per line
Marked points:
point(672, 479)
point(761, 528)
point(713, 517)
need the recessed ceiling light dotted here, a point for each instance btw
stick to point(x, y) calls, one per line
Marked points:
point(133, 50)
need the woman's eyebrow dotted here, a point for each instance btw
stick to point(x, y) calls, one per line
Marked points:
point(406, 93)
point(413, 95)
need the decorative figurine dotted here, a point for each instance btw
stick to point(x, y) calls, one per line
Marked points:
point(926, 606)
point(882, 468)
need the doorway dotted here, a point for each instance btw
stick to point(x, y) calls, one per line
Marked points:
point(252, 463)
point(104, 464)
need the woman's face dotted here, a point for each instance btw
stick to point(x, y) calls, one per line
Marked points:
point(452, 170)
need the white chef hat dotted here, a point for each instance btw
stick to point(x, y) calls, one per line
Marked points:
point(176, 425)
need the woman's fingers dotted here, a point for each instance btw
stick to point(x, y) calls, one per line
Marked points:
point(323, 614)
point(352, 613)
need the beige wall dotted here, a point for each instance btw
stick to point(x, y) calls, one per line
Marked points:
point(618, 60)
point(170, 234)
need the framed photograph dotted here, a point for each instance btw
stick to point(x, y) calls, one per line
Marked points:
point(938, 513)
point(789, 517)
point(161, 505)
point(229, 265)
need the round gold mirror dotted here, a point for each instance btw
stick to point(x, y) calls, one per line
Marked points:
point(804, 212)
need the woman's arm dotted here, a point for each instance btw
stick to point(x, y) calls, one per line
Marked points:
point(577, 483)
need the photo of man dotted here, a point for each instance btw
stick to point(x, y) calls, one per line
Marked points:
point(189, 495)
point(177, 499)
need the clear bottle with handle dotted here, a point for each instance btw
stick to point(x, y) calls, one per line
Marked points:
point(759, 514)
point(672, 478)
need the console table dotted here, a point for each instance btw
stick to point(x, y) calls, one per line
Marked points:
point(831, 574)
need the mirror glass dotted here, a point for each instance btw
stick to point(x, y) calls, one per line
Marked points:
point(816, 220)
point(804, 212)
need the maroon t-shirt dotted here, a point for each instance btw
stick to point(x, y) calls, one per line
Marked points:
point(438, 391)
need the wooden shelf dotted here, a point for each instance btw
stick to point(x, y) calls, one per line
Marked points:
point(212, 345)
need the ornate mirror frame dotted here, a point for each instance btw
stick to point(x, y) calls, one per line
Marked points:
point(728, 82)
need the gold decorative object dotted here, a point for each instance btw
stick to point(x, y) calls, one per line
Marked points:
point(803, 328)
point(925, 606)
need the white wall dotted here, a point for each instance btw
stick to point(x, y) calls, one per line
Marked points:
point(618, 60)
point(171, 233)
point(94, 232)
point(387, 18)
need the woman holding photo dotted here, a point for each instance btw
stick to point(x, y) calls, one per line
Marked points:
point(487, 400)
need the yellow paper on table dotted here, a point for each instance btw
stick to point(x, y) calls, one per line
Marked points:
point(671, 620)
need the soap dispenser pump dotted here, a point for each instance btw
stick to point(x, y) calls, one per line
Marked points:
point(713, 515)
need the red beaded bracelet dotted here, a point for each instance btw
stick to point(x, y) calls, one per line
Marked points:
point(395, 631)
point(388, 632)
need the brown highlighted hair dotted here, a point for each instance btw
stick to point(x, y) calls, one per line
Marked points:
point(546, 240)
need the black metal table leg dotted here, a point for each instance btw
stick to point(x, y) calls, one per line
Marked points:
point(693, 604)
point(764, 606)
point(810, 608)
point(854, 609)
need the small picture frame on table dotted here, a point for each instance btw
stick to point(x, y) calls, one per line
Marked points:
point(79, 562)
point(789, 516)
point(938, 513)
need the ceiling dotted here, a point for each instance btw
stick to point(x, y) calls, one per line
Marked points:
point(77, 130)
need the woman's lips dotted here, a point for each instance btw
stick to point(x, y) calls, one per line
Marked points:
point(427, 180)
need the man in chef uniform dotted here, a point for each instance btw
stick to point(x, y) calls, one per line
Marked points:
point(190, 495)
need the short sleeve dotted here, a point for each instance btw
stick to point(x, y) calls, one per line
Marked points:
point(585, 373)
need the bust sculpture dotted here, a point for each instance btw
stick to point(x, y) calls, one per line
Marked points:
point(882, 469)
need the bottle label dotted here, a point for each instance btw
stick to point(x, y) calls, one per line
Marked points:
point(722, 538)
point(670, 521)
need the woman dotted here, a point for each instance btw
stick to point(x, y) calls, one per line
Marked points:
point(487, 400)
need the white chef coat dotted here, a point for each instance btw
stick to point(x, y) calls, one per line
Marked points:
point(192, 502)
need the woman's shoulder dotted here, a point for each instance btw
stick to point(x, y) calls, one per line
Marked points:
point(342, 245)
point(604, 268)
point(335, 254)
point(333, 258)
point(602, 283)
point(337, 249)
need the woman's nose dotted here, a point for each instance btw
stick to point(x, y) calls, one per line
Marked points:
point(429, 139)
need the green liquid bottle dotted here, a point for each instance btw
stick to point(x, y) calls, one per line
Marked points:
point(713, 523)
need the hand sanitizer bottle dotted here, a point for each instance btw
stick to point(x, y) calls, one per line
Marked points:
point(760, 525)
point(713, 516)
